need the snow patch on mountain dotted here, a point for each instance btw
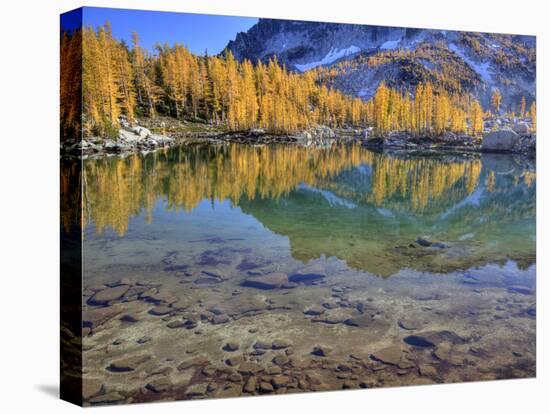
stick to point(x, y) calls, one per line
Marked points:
point(332, 56)
point(482, 68)
point(390, 45)
point(302, 46)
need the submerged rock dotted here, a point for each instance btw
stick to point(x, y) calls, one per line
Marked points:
point(361, 321)
point(181, 304)
point(195, 361)
point(280, 344)
point(281, 359)
point(280, 381)
point(308, 274)
point(209, 278)
point(334, 316)
point(234, 361)
point(129, 317)
point(390, 355)
point(109, 398)
point(129, 363)
point(91, 388)
point(266, 387)
point(244, 305)
point(427, 370)
point(423, 242)
point(121, 282)
point(405, 364)
point(196, 390)
point(177, 324)
point(443, 352)
point(161, 297)
point(418, 341)
point(231, 346)
point(220, 319)
point(251, 384)
point(314, 310)
point(433, 338)
point(103, 297)
point(249, 368)
point(144, 340)
point(96, 317)
point(250, 264)
point(261, 345)
point(266, 282)
point(409, 324)
point(159, 385)
point(160, 310)
point(321, 350)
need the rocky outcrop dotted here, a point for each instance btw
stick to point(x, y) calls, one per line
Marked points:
point(318, 134)
point(322, 132)
point(522, 128)
point(141, 132)
point(257, 132)
point(142, 140)
point(479, 66)
point(508, 140)
point(448, 136)
point(504, 139)
point(129, 139)
point(397, 139)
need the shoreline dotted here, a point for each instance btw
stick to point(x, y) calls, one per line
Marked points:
point(141, 140)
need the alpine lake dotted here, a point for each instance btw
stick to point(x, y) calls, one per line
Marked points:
point(233, 269)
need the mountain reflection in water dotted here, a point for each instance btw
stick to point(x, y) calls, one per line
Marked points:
point(345, 201)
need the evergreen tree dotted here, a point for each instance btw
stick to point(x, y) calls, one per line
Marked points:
point(533, 114)
point(175, 82)
point(476, 118)
point(496, 101)
point(522, 109)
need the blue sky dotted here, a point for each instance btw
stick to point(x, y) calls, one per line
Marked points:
point(197, 31)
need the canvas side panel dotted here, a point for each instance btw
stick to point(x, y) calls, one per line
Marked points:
point(71, 206)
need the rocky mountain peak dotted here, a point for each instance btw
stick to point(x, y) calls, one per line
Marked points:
point(403, 57)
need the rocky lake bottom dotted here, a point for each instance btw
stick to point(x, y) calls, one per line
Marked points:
point(233, 271)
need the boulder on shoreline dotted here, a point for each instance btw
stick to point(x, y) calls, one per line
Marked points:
point(522, 127)
point(129, 139)
point(516, 138)
point(141, 132)
point(504, 139)
point(448, 136)
point(315, 134)
point(257, 132)
point(398, 139)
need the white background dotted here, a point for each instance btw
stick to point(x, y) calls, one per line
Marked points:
point(29, 226)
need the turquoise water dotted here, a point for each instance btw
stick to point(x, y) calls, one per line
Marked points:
point(440, 246)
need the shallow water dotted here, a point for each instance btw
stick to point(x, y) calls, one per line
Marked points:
point(336, 248)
